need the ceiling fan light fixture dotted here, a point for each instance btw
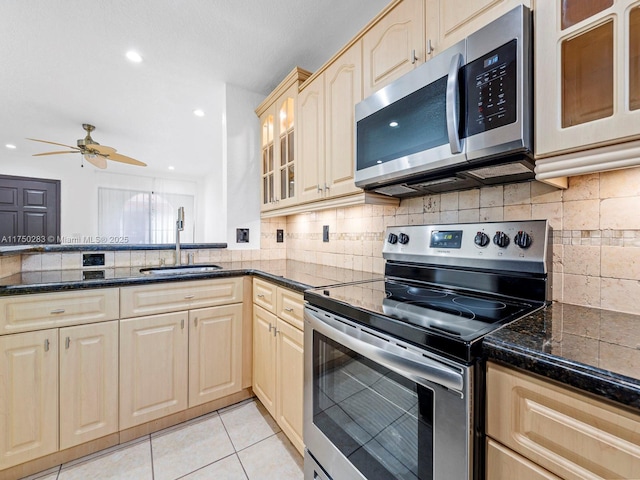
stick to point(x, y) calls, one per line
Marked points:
point(11, 146)
point(134, 56)
point(198, 112)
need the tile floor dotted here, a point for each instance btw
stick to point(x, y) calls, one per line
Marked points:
point(240, 442)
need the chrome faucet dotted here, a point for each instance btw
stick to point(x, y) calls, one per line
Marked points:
point(179, 228)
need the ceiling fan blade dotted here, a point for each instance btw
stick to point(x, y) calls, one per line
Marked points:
point(55, 153)
point(102, 149)
point(53, 143)
point(96, 160)
point(116, 157)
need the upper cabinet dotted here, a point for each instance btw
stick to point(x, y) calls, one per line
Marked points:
point(449, 21)
point(326, 109)
point(278, 143)
point(587, 78)
point(393, 46)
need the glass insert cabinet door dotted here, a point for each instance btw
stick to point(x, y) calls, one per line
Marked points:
point(287, 152)
point(380, 421)
point(587, 73)
point(268, 172)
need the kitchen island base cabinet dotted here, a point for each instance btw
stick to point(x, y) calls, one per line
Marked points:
point(567, 433)
point(153, 367)
point(28, 396)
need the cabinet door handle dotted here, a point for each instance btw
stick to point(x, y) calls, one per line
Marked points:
point(46, 345)
point(57, 311)
point(326, 187)
point(429, 47)
point(414, 59)
point(188, 297)
point(270, 327)
point(290, 310)
point(195, 322)
point(319, 189)
point(260, 295)
point(182, 324)
point(67, 343)
point(275, 331)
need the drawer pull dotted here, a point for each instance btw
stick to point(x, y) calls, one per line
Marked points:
point(182, 324)
point(57, 311)
point(46, 345)
point(290, 310)
point(195, 322)
point(67, 342)
point(260, 295)
point(270, 327)
point(188, 297)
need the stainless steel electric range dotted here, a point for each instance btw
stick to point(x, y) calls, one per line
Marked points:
point(394, 376)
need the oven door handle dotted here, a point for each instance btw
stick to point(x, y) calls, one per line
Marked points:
point(423, 370)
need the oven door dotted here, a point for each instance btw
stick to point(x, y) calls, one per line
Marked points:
point(377, 408)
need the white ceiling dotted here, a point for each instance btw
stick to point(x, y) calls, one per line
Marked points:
point(64, 64)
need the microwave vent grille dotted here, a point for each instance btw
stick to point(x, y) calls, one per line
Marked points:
point(499, 171)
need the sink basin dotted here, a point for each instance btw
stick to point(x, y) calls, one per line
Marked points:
point(179, 269)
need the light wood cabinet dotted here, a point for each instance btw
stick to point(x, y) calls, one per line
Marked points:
point(28, 396)
point(393, 46)
point(23, 313)
point(449, 21)
point(278, 358)
point(504, 464)
point(174, 297)
point(153, 367)
point(567, 433)
point(586, 82)
point(327, 131)
point(88, 382)
point(215, 353)
point(264, 294)
point(278, 149)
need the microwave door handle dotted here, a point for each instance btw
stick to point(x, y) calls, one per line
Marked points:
point(452, 101)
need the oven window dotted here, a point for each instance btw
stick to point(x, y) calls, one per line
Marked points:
point(379, 420)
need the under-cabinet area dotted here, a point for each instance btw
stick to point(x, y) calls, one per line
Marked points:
point(540, 429)
point(89, 369)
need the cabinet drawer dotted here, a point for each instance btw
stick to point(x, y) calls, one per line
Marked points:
point(46, 310)
point(173, 297)
point(503, 464)
point(568, 433)
point(290, 307)
point(264, 294)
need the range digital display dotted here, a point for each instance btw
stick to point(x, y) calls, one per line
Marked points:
point(446, 239)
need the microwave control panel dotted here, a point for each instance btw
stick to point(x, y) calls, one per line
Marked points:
point(492, 89)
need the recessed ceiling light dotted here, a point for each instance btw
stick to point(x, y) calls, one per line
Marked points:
point(171, 167)
point(134, 56)
point(11, 146)
point(198, 113)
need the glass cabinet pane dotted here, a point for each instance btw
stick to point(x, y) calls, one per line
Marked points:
point(587, 76)
point(292, 188)
point(283, 183)
point(574, 11)
point(634, 58)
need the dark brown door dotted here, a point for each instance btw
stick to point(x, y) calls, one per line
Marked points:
point(29, 210)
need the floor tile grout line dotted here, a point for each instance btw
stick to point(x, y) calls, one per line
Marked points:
point(242, 466)
point(207, 465)
point(153, 471)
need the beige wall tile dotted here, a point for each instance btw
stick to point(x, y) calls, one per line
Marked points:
point(51, 261)
point(492, 196)
point(620, 262)
point(120, 259)
point(549, 211)
point(449, 202)
point(581, 290)
point(581, 215)
point(584, 187)
point(432, 204)
point(517, 212)
point(517, 193)
point(620, 329)
point(491, 214)
point(73, 261)
point(543, 193)
point(620, 213)
point(582, 260)
point(465, 216)
point(620, 183)
point(557, 287)
point(620, 295)
point(448, 217)
point(469, 199)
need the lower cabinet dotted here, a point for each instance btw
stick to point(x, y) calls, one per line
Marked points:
point(88, 382)
point(28, 396)
point(278, 358)
point(539, 429)
point(153, 367)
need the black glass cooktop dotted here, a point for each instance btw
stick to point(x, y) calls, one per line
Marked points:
point(450, 321)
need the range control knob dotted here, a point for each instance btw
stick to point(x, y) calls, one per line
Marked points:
point(522, 239)
point(403, 238)
point(481, 239)
point(501, 239)
point(392, 238)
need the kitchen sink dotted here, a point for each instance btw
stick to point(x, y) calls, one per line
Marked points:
point(180, 269)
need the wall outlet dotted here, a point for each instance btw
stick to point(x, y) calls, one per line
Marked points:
point(325, 233)
point(93, 259)
point(242, 235)
point(279, 236)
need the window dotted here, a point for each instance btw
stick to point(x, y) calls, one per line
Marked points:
point(144, 217)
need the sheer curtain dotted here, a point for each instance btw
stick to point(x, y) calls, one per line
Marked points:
point(143, 216)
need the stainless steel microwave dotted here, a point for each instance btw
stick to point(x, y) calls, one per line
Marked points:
point(462, 119)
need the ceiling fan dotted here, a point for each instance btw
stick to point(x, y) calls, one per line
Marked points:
point(91, 150)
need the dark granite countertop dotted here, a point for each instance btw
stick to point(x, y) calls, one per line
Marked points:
point(594, 350)
point(288, 273)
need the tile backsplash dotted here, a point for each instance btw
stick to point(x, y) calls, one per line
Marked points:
point(596, 232)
